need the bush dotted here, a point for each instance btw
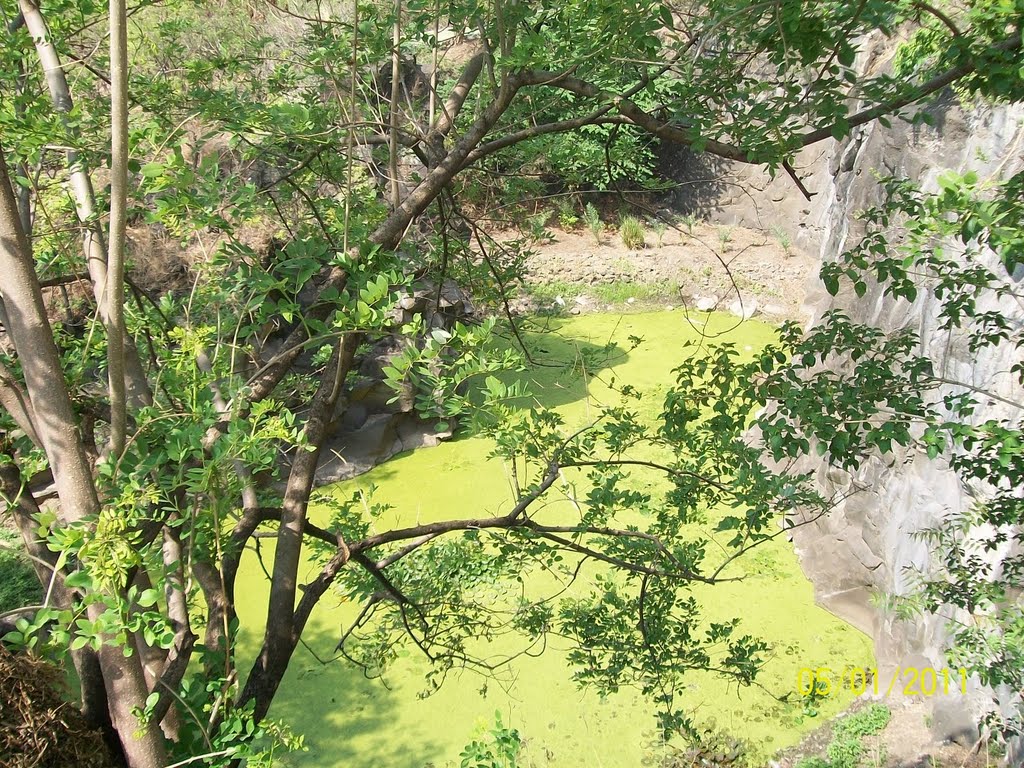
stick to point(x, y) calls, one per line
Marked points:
point(568, 216)
point(845, 752)
point(594, 223)
point(631, 230)
point(847, 747)
point(659, 231)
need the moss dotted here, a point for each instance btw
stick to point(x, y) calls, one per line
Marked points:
point(350, 720)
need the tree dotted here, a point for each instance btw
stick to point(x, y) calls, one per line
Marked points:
point(147, 538)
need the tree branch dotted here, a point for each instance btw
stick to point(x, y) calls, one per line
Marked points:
point(17, 404)
point(445, 119)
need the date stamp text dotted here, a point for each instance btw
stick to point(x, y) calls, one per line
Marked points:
point(821, 682)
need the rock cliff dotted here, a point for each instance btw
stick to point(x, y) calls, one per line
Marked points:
point(870, 544)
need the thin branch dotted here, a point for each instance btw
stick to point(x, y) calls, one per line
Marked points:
point(920, 5)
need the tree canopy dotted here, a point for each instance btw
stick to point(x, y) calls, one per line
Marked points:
point(318, 160)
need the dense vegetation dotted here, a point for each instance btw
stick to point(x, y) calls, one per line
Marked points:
point(295, 176)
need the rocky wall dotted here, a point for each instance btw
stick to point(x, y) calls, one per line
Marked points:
point(870, 545)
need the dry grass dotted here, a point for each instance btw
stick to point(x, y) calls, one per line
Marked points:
point(38, 728)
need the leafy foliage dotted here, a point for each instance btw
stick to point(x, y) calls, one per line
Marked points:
point(261, 158)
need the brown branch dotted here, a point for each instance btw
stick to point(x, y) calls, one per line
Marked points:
point(16, 402)
point(796, 180)
point(445, 120)
point(285, 621)
point(678, 135)
point(652, 465)
point(939, 15)
point(621, 533)
point(166, 686)
point(926, 88)
point(594, 118)
point(511, 520)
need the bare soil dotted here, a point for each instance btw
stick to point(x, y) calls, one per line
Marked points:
point(713, 266)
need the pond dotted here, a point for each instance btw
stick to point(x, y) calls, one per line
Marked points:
point(350, 720)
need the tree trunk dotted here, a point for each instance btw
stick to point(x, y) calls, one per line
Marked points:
point(116, 335)
point(57, 430)
point(283, 631)
point(82, 192)
point(396, 82)
point(24, 511)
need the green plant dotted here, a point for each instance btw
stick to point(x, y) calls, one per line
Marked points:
point(594, 223)
point(783, 237)
point(537, 226)
point(813, 762)
point(162, 421)
point(813, 698)
point(847, 748)
point(499, 747)
point(724, 236)
point(690, 221)
point(631, 231)
point(568, 216)
point(18, 583)
point(845, 752)
point(865, 722)
point(659, 228)
point(621, 291)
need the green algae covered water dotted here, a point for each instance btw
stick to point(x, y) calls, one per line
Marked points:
point(351, 721)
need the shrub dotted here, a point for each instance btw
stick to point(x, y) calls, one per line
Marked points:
point(568, 215)
point(659, 231)
point(724, 236)
point(631, 230)
point(537, 225)
point(594, 223)
point(784, 239)
point(845, 752)
point(866, 722)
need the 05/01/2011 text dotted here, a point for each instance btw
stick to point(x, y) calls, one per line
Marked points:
point(820, 682)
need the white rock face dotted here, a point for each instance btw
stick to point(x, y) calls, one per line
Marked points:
point(870, 543)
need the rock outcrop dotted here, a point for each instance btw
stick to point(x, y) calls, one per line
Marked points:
point(371, 423)
point(871, 543)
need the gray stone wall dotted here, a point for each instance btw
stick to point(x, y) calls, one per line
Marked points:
point(869, 546)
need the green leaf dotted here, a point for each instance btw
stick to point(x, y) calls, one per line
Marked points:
point(831, 283)
point(666, 16)
point(79, 580)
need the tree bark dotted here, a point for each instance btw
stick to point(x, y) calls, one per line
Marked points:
point(136, 383)
point(15, 401)
point(57, 430)
point(283, 632)
point(116, 335)
point(396, 83)
point(25, 510)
